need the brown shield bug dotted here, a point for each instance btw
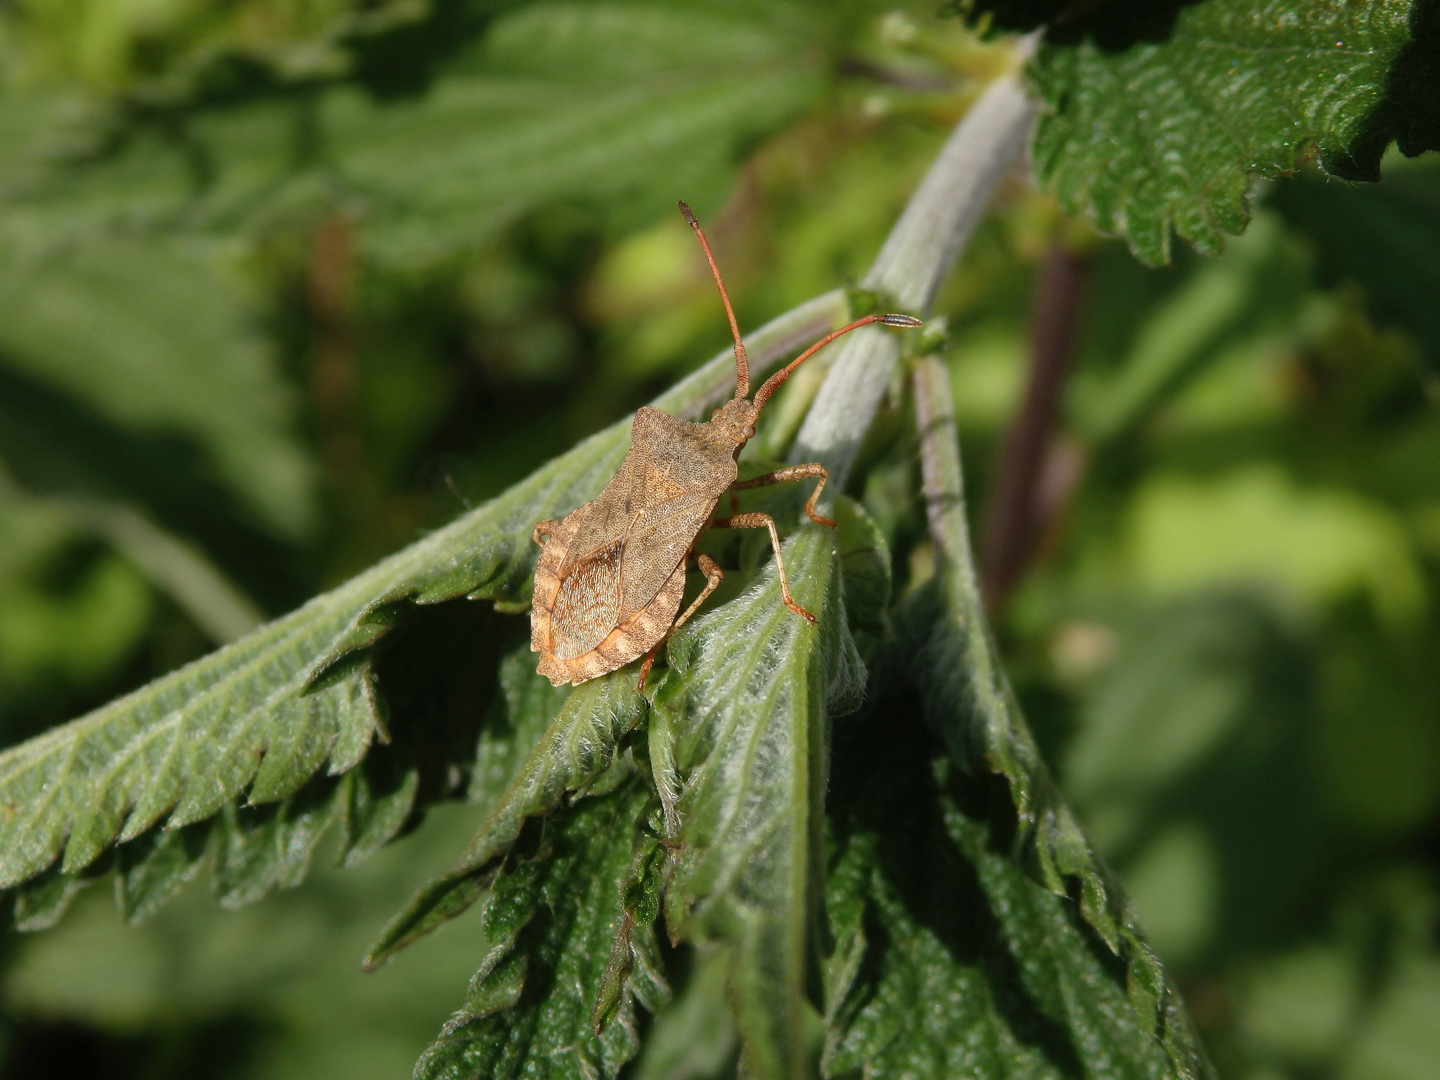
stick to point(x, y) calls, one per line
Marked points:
point(610, 578)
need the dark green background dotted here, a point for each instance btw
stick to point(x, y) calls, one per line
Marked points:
point(296, 283)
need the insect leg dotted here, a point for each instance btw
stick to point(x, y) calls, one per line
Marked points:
point(765, 521)
point(791, 472)
point(544, 528)
point(713, 577)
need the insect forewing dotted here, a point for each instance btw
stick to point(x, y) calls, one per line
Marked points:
point(663, 533)
point(587, 606)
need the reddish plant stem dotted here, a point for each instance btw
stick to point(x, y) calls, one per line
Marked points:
point(1037, 470)
point(334, 381)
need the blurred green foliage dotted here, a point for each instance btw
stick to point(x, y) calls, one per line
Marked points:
point(284, 285)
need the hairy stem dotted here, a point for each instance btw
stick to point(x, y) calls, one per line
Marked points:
point(914, 261)
point(693, 396)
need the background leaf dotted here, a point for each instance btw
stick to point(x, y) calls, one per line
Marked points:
point(159, 340)
point(547, 108)
point(1212, 311)
point(534, 111)
point(1378, 238)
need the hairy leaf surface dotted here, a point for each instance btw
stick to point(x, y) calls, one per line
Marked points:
point(742, 721)
point(301, 694)
point(551, 917)
point(1158, 115)
point(965, 695)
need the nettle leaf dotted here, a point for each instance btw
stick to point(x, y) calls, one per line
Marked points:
point(608, 101)
point(257, 720)
point(952, 961)
point(539, 109)
point(160, 340)
point(1380, 237)
point(633, 966)
point(551, 917)
point(740, 729)
point(956, 673)
point(577, 747)
point(1157, 116)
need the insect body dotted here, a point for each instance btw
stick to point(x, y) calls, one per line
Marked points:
point(611, 574)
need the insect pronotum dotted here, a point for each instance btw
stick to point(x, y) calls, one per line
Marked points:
point(611, 573)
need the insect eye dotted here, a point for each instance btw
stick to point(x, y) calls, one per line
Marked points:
point(749, 431)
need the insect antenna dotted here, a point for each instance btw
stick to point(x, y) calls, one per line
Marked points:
point(742, 362)
point(773, 383)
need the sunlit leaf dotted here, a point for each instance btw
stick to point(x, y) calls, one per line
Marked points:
point(577, 747)
point(550, 918)
point(302, 694)
point(1158, 115)
point(745, 709)
point(966, 696)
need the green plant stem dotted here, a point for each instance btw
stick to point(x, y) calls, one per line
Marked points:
point(180, 570)
point(693, 396)
point(922, 247)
